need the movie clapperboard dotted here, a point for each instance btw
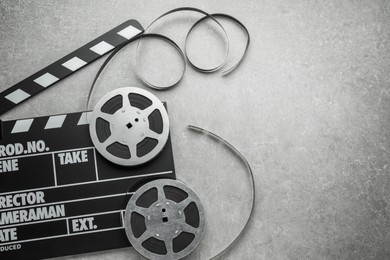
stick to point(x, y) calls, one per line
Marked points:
point(58, 195)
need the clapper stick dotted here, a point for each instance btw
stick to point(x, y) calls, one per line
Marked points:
point(67, 65)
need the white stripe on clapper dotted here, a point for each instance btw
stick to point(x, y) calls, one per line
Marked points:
point(74, 64)
point(46, 80)
point(129, 32)
point(55, 121)
point(22, 126)
point(102, 48)
point(17, 96)
point(84, 118)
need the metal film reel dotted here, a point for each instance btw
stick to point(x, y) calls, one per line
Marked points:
point(129, 126)
point(164, 219)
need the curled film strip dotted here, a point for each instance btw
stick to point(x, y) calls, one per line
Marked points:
point(127, 130)
point(236, 21)
point(164, 219)
point(183, 54)
point(115, 40)
point(253, 187)
point(141, 36)
point(206, 17)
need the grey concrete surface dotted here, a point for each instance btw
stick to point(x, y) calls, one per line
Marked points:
point(309, 108)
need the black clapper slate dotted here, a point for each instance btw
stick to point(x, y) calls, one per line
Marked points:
point(62, 68)
point(76, 202)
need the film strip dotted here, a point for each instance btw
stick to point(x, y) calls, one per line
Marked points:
point(65, 187)
point(67, 65)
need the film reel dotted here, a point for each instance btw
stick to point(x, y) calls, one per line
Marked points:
point(129, 126)
point(164, 219)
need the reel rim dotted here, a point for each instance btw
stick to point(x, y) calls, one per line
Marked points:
point(123, 137)
point(153, 209)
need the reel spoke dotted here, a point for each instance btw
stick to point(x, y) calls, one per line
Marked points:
point(106, 117)
point(110, 140)
point(183, 204)
point(147, 111)
point(169, 245)
point(161, 195)
point(126, 102)
point(146, 235)
point(152, 134)
point(189, 229)
point(142, 211)
point(133, 150)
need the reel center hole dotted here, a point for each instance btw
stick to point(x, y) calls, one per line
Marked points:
point(129, 125)
point(164, 219)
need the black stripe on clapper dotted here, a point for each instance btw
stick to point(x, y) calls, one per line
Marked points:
point(69, 64)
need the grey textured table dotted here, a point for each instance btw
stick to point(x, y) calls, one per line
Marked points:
point(309, 108)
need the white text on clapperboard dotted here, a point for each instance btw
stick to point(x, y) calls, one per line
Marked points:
point(12, 165)
point(25, 215)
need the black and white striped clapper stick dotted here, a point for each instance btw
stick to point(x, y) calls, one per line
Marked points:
point(64, 67)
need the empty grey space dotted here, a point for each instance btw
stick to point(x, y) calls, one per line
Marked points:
point(308, 107)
